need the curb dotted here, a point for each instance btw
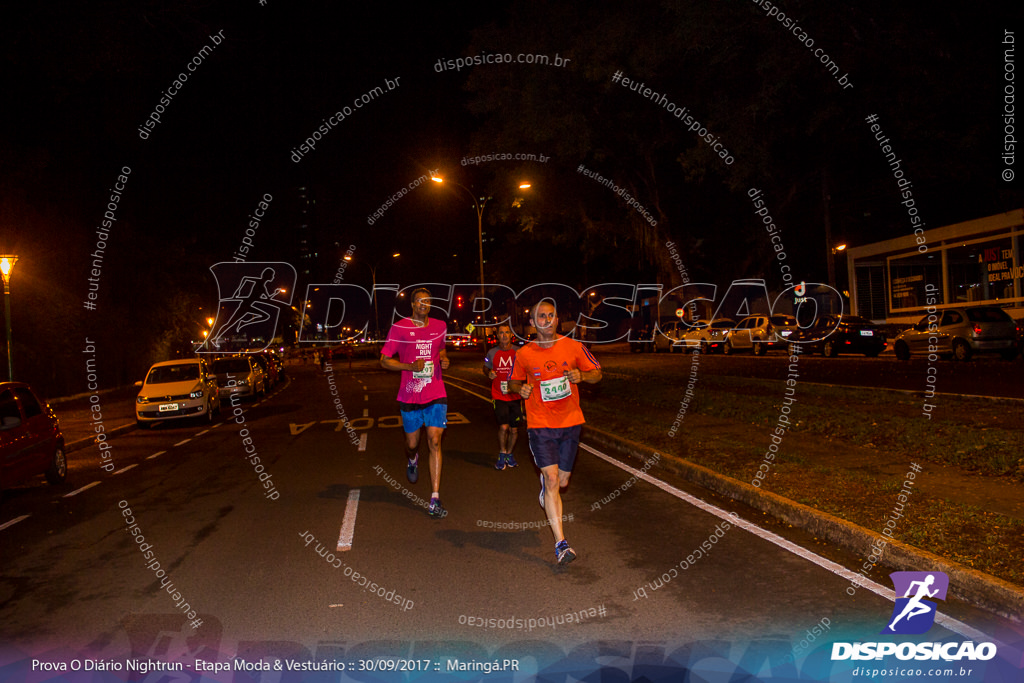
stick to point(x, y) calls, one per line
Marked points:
point(982, 590)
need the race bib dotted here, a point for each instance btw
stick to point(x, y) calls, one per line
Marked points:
point(555, 389)
point(426, 373)
point(504, 386)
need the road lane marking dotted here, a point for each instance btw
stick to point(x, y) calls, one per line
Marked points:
point(201, 433)
point(298, 429)
point(366, 412)
point(156, 455)
point(84, 488)
point(362, 441)
point(862, 581)
point(181, 443)
point(366, 397)
point(125, 469)
point(940, 618)
point(348, 524)
point(486, 398)
point(13, 522)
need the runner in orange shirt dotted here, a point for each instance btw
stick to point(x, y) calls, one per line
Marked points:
point(546, 373)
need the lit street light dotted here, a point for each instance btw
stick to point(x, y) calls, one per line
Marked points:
point(6, 268)
point(479, 205)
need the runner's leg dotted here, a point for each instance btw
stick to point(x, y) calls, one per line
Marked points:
point(434, 435)
point(553, 500)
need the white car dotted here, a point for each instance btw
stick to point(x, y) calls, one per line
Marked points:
point(708, 335)
point(177, 389)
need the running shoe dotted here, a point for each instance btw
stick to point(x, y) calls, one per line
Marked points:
point(436, 510)
point(542, 489)
point(510, 461)
point(563, 553)
point(500, 465)
point(413, 470)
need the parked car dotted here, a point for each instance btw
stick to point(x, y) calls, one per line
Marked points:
point(239, 376)
point(758, 333)
point(834, 334)
point(961, 332)
point(31, 442)
point(269, 369)
point(708, 335)
point(670, 337)
point(177, 389)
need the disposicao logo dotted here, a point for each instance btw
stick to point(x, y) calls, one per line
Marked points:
point(913, 614)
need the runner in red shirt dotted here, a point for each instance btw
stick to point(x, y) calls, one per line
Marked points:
point(546, 373)
point(508, 406)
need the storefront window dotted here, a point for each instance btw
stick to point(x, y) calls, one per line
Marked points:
point(913, 278)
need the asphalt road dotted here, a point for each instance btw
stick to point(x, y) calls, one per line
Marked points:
point(255, 564)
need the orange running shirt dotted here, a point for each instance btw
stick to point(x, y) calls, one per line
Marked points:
point(543, 370)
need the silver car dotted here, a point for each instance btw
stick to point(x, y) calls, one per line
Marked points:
point(239, 376)
point(960, 332)
point(758, 333)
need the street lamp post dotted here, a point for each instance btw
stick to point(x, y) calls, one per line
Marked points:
point(6, 268)
point(479, 206)
point(479, 224)
point(373, 276)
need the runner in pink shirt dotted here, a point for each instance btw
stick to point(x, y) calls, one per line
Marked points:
point(419, 344)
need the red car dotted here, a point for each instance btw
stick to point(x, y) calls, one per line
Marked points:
point(31, 442)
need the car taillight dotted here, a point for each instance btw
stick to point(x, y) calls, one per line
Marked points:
point(977, 329)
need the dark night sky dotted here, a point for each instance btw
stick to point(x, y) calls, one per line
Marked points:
point(79, 79)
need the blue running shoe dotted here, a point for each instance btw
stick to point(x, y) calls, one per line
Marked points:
point(500, 465)
point(510, 461)
point(542, 489)
point(413, 470)
point(563, 553)
point(436, 510)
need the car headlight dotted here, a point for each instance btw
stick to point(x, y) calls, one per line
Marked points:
point(141, 399)
point(198, 393)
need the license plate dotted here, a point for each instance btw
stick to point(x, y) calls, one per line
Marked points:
point(867, 333)
point(786, 333)
point(167, 407)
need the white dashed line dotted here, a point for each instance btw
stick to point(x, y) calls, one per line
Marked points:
point(13, 522)
point(201, 433)
point(125, 469)
point(181, 443)
point(348, 524)
point(156, 455)
point(84, 488)
point(366, 412)
point(362, 441)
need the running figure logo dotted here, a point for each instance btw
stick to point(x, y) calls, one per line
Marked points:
point(249, 316)
point(913, 614)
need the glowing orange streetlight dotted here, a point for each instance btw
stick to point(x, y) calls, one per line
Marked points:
point(6, 268)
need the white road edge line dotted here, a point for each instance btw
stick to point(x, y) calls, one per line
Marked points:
point(362, 441)
point(348, 524)
point(940, 618)
point(947, 621)
point(84, 488)
point(156, 455)
point(13, 521)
